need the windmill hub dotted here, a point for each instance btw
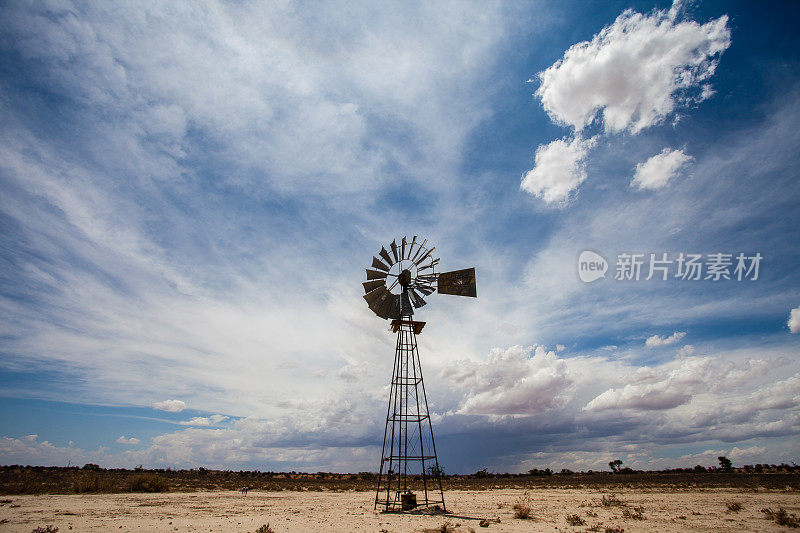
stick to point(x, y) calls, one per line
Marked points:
point(405, 278)
point(395, 287)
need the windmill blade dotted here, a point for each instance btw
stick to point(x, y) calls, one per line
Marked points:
point(424, 289)
point(458, 283)
point(403, 248)
point(372, 285)
point(375, 296)
point(421, 247)
point(377, 263)
point(411, 248)
point(430, 265)
point(394, 249)
point(421, 259)
point(394, 308)
point(375, 274)
point(416, 299)
point(386, 256)
point(427, 278)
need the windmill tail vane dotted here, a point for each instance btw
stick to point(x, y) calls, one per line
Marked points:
point(397, 283)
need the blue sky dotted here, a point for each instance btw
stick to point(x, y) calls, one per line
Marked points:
point(191, 191)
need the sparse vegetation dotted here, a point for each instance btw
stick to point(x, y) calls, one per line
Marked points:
point(575, 520)
point(614, 529)
point(591, 514)
point(264, 529)
point(734, 507)
point(147, 483)
point(522, 507)
point(637, 513)
point(611, 500)
point(17, 479)
point(46, 529)
point(782, 518)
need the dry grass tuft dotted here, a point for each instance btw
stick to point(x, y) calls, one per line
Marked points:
point(265, 529)
point(522, 507)
point(636, 514)
point(46, 529)
point(781, 517)
point(614, 529)
point(575, 520)
point(733, 507)
point(611, 500)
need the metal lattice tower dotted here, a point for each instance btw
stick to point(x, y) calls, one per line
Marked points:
point(395, 286)
point(409, 450)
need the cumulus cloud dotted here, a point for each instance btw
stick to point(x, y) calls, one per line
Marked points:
point(685, 351)
point(658, 170)
point(170, 406)
point(675, 384)
point(658, 340)
point(634, 72)
point(212, 420)
point(559, 167)
point(511, 382)
point(794, 320)
point(629, 77)
point(131, 441)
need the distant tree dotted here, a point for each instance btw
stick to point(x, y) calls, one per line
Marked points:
point(434, 471)
point(725, 463)
point(482, 473)
point(91, 466)
point(699, 468)
point(566, 472)
point(615, 465)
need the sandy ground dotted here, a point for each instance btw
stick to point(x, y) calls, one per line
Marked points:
point(352, 511)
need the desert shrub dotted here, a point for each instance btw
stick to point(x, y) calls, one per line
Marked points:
point(46, 529)
point(614, 529)
point(522, 507)
point(575, 520)
point(636, 514)
point(147, 483)
point(265, 529)
point(781, 517)
point(734, 507)
point(86, 482)
point(611, 500)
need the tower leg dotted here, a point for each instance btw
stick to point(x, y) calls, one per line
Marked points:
point(408, 461)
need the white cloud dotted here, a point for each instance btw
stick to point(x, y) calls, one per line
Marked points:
point(511, 382)
point(685, 351)
point(559, 168)
point(131, 441)
point(658, 170)
point(658, 340)
point(171, 406)
point(794, 320)
point(634, 72)
point(212, 420)
point(674, 384)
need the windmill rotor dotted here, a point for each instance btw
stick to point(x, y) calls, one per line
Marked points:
point(402, 276)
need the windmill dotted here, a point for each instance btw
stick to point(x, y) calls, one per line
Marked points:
point(396, 284)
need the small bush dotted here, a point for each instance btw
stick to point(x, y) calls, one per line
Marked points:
point(636, 514)
point(265, 529)
point(614, 529)
point(147, 483)
point(781, 517)
point(734, 507)
point(575, 520)
point(46, 529)
point(611, 500)
point(522, 507)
